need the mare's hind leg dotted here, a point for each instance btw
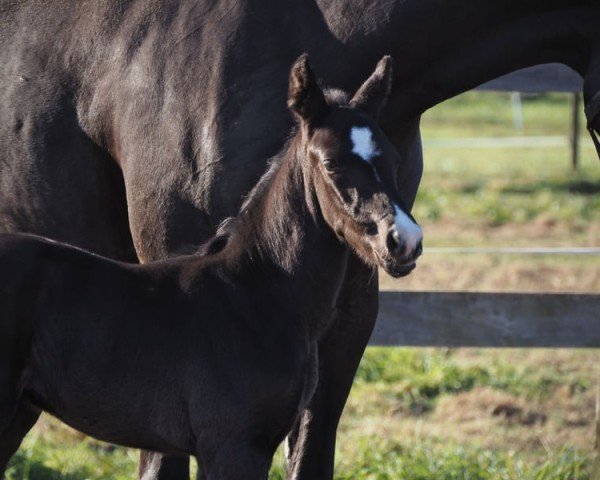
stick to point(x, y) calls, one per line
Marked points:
point(12, 436)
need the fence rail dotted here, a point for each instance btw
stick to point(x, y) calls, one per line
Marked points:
point(467, 319)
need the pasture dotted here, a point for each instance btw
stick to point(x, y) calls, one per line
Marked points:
point(464, 413)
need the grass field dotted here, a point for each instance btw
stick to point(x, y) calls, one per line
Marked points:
point(449, 414)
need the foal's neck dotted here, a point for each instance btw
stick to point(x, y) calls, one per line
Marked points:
point(282, 239)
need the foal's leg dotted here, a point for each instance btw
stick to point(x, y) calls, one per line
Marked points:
point(311, 445)
point(239, 463)
point(12, 436)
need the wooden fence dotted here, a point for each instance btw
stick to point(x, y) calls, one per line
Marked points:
point(466, 319)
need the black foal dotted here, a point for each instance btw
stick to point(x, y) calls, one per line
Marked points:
point(213, 354)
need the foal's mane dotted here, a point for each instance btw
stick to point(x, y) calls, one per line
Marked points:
point(333, 97)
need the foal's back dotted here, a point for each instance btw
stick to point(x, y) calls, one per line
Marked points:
point(38, 273)
point(78, 318)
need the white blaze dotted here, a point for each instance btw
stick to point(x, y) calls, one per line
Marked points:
point(364, 146)
point(407, 229)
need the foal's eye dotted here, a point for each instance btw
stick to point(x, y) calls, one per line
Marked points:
point(330, 165)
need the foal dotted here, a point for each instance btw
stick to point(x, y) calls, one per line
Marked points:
point(213, 354)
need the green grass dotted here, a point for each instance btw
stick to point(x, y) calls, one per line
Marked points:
point(506, 185)
point(60, 456)
point(384, 461)
point(491, 188)
point(419, 377)
point(377, 459)
point(479, 114)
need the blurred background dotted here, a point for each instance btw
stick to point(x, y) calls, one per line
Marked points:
point(497, 174)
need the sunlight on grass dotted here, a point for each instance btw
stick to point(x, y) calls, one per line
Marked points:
point(376, 459)
point(482, 187)
point(57, 454)
point(480, 114)
point(506, 185)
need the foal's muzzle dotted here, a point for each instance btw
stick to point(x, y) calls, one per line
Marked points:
point(403, 244)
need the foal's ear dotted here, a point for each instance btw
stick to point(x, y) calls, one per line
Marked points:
point(372, 96)
point(305, 97)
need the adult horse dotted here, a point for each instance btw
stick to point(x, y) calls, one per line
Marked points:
point(132, 128)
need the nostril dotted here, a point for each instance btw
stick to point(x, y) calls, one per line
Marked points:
point(391, 242)
point(419, 249)
point(394, 244)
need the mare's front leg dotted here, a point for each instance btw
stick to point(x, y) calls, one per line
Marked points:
point(311, 445)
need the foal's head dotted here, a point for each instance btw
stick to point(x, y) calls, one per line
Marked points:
point(349, 160)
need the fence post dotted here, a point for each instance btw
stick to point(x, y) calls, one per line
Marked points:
point(517, 111)
point(576, 105)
